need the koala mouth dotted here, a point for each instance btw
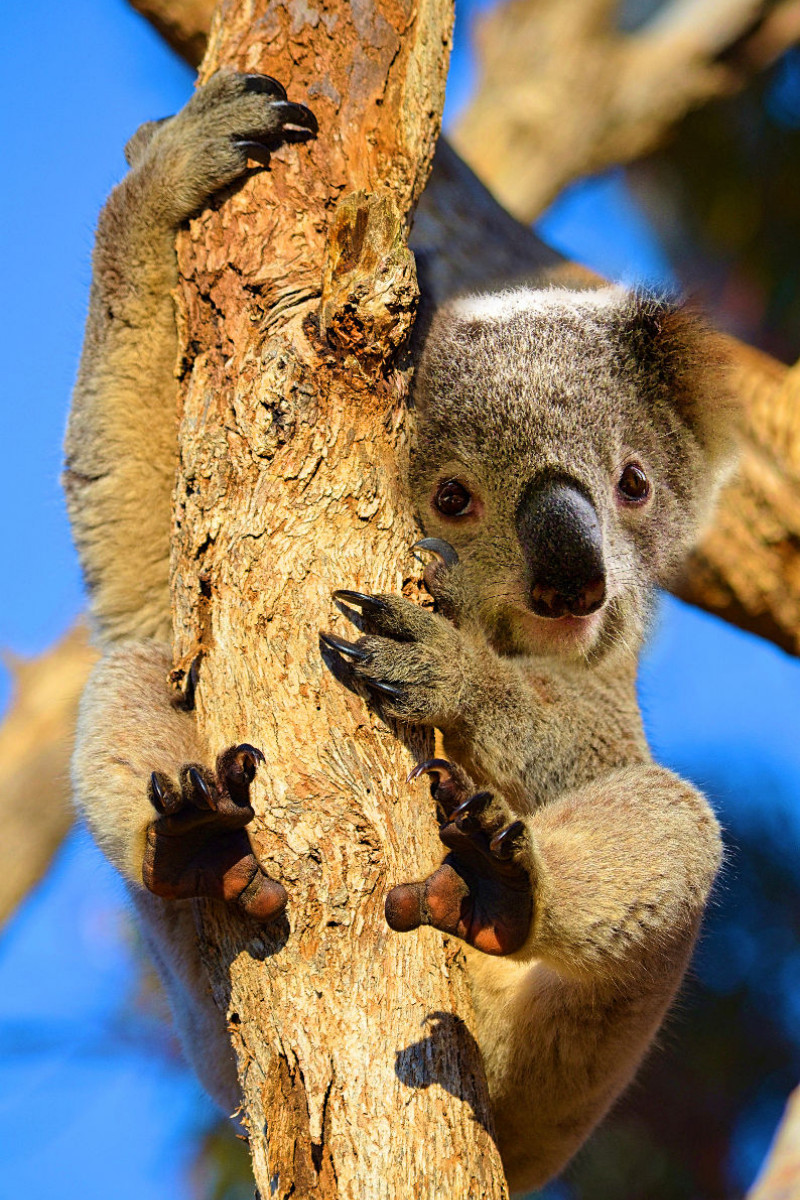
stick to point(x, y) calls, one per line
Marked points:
point(567, 634)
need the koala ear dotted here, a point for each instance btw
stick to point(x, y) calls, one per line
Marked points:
point(683, 359)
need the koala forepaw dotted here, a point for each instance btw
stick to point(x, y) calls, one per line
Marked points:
point(483, 891)
point(198, 845)
point(411, 660)
point(230, 122)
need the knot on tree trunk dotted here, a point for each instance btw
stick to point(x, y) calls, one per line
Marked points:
point(369, 287)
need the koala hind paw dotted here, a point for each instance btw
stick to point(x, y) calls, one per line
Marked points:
point(197, 844)
point(483, 891)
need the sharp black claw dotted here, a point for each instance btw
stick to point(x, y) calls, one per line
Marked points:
point(251, 757)
point(265, 84)
point(466, 815)
point(348, 649)
point(367, 604)
point(158, 792)
point(200, 786)
point(433, 766)
point(385, 689)
point(438, 546)
point(255, 150)
point(297, 114)
point(502, 844)
point(246, 748)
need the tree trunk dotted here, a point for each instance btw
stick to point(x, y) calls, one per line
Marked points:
point(355, 1046)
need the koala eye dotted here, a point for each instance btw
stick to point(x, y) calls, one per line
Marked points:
point(453, 499)
point(633, 485)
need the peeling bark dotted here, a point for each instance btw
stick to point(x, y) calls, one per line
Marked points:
point(355, 1048)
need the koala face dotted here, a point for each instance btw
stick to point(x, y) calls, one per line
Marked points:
point(569, 446)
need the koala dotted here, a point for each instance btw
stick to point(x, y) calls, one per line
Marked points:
point(569, 444)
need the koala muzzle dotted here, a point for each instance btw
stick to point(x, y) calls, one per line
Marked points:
point(560, 533)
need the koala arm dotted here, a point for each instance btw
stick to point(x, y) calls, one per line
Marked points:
point(516, 725)
point(121, 441)
point(127, 728)
point(595, 900)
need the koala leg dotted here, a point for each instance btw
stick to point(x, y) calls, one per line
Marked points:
point(121, 443)
point(609, 884)
point(174, 828)
point(170, 934)
point(176, 840)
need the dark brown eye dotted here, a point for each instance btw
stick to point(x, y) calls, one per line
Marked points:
point(453, 499)
point(633, 484)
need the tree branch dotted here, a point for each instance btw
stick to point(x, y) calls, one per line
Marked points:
point(36, 738)
point(780, 1175)
point(563, 93)
point(747, 567)
point(183, 24)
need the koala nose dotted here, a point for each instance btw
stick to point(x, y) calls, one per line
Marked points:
point(560, 532)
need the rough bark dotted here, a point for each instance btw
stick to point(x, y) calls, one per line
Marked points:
point(36, 739)
point(780, 1176)
point(563, 92)
point(355, 1046)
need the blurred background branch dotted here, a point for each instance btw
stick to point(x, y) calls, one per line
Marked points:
point(780, 1178)
point(563, 92)
point(36, 738)
point(183, 24)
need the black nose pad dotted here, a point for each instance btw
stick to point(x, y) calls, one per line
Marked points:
point(560, 532)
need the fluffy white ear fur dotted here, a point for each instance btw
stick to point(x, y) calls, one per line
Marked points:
point(501, 306)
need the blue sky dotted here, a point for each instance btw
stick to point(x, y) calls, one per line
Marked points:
point(77, 1093)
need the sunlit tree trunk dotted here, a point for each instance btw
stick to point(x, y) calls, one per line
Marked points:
point(359, 1070)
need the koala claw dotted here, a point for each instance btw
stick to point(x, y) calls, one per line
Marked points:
point(367, 604)
point(450, 786)
point(201, 789)
point(385, 689)
point(198, 846)
point(504, 844)
point(446, 553)
point(297, 115)
point(264, 84)
point(467, 816)
point(341, 646)
point(483, 891)
point(439, 767)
